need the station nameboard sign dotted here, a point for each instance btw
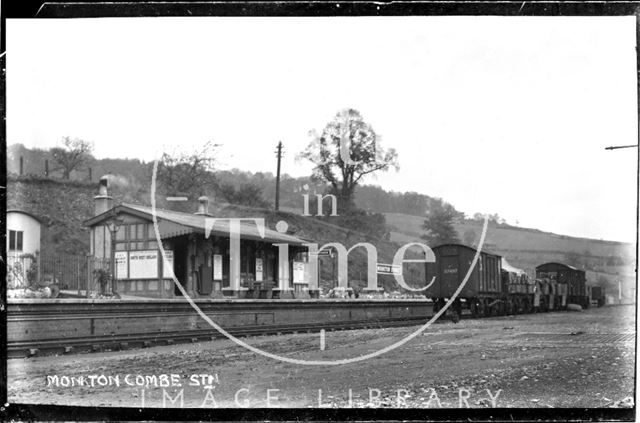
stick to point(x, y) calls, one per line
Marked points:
point(388, 269)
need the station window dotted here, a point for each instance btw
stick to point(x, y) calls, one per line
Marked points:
point(247, 257)
point(142, 234)
point(302, 256)
point(121, 233)
point(15, 240)
point(136, 236)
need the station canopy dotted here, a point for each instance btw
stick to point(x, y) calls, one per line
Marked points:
point(173, 223)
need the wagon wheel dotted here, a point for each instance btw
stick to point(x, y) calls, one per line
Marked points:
point(474, 309)
point(457, 310)
point(493, 310)
point(482, 309)
point(436, 306)
point(487, 308)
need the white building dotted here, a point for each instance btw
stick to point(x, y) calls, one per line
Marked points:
point(23, 233)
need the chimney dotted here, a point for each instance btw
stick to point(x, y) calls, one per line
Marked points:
point(203, 207)
point(102, 201)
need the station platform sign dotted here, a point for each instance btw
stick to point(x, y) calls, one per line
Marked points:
point(388, 269)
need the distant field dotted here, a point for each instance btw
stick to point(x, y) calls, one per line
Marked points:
point(521, 239)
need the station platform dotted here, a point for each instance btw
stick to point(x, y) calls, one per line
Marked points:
point(68, 293)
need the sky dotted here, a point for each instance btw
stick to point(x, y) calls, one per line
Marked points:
point(506, 115)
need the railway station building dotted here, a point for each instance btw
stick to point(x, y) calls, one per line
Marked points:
point(199, 250)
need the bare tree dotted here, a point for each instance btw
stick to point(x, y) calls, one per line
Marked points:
point(73, 156)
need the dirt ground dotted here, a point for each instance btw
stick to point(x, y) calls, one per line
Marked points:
point(562, 359)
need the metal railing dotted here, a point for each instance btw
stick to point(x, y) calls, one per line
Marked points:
point(68, 272)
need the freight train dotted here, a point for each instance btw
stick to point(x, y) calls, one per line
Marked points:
point(494, 287)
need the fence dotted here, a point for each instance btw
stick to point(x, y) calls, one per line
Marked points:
point(68, 272)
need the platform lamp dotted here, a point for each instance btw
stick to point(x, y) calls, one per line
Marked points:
point(112, 225)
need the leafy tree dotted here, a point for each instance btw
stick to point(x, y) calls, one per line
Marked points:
point(438, 224)
point(74, 155)
point(470, 237)
point(492, 218)
point(248, 194)
point(602, 280)
point(187, 173)
point(365, 152)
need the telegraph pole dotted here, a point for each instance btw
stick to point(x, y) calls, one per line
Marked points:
point(279, 156)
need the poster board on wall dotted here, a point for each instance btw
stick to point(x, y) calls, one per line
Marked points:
point(122, 264)
point(217, 267)
point(167, 265)
point(143, 264)
point(259, 270)
point(299, 271)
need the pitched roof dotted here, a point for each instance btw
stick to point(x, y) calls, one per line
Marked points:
point(174, 223)
point(453, 244)
point(562, 265)
point(25, 212)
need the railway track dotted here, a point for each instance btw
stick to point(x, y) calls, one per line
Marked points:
point(37, 328)
point(145, 340)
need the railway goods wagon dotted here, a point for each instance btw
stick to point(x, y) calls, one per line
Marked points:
point(521, 293)
point(482, 293)
point(598, 295)
point(550, 295)
point(569, 279)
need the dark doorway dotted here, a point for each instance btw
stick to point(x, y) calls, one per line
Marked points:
point(180, 251)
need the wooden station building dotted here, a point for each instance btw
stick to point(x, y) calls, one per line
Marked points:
point(199, 250)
